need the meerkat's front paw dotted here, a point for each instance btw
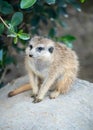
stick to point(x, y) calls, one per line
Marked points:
point(33, 95)
point(54, 94)
point(36, 100)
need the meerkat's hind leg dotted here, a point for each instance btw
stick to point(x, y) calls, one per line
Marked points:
point(62, 86)
point(54, 94)
point(66, 84)
point(57, 89)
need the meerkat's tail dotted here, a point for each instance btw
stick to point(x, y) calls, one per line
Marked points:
point(19, 90)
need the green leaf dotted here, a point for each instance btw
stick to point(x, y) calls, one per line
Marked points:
point(27, 3)
point(1, 55)
point(17, 18)
point(11, 28)
point(23, 36)
point(68, 38)
point(15, 40)
point(12, 35)
point(6, 8)
point(50, 1)
point(70, 45)
point(20, 31)
point(1, 28)
point(82, 1)
point(11, 31)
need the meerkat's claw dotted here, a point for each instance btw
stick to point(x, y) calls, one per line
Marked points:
point(36, 100)
point(33, 95)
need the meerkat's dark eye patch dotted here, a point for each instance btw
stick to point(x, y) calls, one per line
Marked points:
point(30, 46)
point(51, 49)
point(39, 49)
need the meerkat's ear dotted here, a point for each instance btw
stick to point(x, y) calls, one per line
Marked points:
point(51, 49)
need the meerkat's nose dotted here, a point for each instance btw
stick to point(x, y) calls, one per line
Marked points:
point(30, 55)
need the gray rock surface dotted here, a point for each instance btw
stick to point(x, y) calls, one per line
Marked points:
point(73, 111)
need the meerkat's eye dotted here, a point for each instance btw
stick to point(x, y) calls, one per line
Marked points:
point(51, 49)
point(40, 49)
point(30, 46)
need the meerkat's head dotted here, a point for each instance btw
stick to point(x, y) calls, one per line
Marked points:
point(40, 48)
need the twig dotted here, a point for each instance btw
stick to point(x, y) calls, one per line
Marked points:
point(4, 22)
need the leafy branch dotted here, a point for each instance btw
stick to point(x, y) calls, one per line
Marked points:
point(82, 1)
point(17, 18)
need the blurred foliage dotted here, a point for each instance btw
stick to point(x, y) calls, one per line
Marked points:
point(21, 19)
point(82, 1)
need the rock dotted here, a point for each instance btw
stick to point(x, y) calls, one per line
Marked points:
point(73, 111)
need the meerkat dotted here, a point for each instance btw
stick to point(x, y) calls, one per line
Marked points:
point(49, 64)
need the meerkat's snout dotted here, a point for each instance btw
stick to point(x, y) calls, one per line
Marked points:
point(28, 51)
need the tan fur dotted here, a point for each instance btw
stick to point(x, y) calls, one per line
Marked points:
point(19, 90)
point(58, 69)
